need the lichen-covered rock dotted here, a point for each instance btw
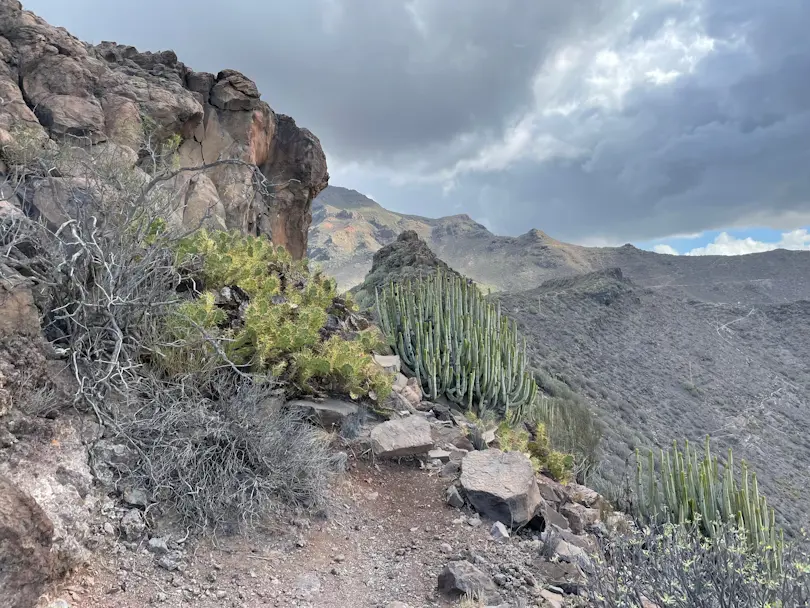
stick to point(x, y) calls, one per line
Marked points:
point(26, 535)
point(501, 486)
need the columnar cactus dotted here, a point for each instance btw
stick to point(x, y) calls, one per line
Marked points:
point(693, 490)
point(457, 343)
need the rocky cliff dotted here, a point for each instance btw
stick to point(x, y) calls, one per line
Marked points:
point(61, 87)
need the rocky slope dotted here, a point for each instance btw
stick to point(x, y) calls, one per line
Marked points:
point(348, 228)
point(657, 368)
point(59, 87)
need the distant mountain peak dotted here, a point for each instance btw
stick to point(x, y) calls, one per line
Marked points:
point(352, 228)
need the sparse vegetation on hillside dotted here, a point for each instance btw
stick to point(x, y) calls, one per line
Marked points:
point(458, 344)
point(625, 353)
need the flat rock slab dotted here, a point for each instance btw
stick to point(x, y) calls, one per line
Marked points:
point(501, 486)
point(328, 413)
point(408, 436)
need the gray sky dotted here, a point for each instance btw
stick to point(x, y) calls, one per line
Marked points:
point(599, 122)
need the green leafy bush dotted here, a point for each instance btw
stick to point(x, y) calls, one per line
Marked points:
point(457, 343)
point(262, 310)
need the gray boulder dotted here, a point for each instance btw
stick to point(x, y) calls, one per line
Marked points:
point(463, 578)
point(501, 486)
point(408, 436)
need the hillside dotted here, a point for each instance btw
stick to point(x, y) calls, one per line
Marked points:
point(656, 368)
point(348, 228)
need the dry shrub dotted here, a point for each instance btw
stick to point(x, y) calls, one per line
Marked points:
point(225, 460)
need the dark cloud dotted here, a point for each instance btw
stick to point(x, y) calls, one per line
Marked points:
point(467, 105)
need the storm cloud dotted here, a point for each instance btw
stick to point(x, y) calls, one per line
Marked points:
point(598, 122)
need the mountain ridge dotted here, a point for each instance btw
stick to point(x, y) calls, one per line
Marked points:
point(349, 227)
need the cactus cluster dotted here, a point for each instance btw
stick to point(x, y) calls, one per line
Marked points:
point(700, 491)
point(458, 344)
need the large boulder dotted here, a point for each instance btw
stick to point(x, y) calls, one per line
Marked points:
point(408, 436)
point(501, 486)
point(25, 547)
point(58, 86)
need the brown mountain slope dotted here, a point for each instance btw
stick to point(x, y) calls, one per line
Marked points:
point(656, 368)
point(348, 227)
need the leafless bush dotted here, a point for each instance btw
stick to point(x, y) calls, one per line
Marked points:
point(680, 568)
point(228, 459)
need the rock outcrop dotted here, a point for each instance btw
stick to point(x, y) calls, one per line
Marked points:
point(25, 547)
point(59, 86)
point(408, 257)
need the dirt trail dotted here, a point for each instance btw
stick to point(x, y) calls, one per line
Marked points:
point(386, 539)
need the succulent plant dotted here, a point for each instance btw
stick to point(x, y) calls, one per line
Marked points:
point(457, 343)
point(693, 490)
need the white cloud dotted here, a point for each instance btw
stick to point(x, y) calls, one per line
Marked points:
point(666, 249)
point(726, 244)
point(596, 76)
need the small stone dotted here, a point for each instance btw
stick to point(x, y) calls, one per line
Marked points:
point(132, 525)
point(500, 579)
point(221, 594)
point(136, 497)
point(437, 454)
point(501, 485)
point(552, 600)
point(454, 498)
point(171, 561)
point(340, 558)
point(157, 546)
point(499, 532)
point(445, 548)
point(109, 529)
point(474, 521)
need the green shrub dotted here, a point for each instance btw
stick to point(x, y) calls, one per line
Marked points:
point(271, 316)
point(537, 447)
point(457, 343)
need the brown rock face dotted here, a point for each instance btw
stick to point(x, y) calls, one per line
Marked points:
point(25, 547)
point(61, 87)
